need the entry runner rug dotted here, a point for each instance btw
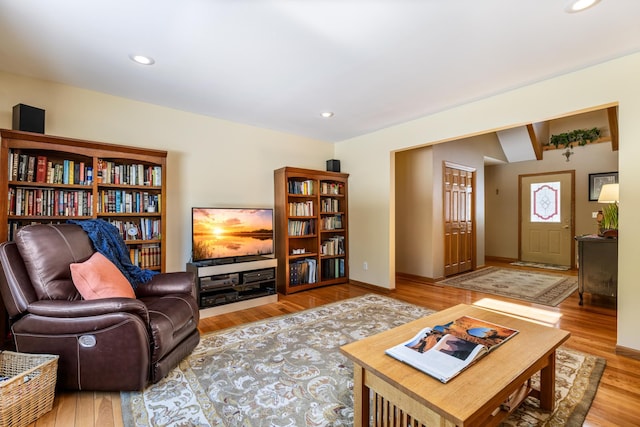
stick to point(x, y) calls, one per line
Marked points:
point(540, 288)
point(288, 371)
point(541, 265)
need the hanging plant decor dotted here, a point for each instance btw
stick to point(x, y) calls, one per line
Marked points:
point(579, 136)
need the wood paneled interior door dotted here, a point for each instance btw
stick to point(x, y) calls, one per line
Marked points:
point(458, 217)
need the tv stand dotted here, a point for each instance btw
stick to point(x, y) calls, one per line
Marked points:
point(231, 286)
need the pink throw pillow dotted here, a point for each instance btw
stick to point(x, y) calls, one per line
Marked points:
point(98, 277)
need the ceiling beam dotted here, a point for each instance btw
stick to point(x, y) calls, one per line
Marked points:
point(612, 113)
point(535, 142)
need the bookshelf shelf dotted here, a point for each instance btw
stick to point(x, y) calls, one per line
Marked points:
point(323, 195)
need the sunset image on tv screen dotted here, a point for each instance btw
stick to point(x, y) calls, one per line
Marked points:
point(226, 232)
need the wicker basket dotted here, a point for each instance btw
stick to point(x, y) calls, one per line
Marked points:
point(28, 390)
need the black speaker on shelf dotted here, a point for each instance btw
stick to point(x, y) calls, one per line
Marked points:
point(28, 118)
point(333, 165)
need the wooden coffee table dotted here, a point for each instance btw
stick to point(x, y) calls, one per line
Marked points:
point(389, 392)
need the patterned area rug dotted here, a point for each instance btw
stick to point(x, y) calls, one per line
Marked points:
point(540, 288)
point(288, 371)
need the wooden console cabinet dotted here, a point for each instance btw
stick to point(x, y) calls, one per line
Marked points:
point(597, 266)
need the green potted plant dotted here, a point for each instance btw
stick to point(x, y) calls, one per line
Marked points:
point(609, 223)
point(578, 136)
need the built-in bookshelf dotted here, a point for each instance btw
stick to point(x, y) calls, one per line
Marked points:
point(49, 179)
point(311, 228)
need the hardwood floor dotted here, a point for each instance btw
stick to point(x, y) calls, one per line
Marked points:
point(593, 329)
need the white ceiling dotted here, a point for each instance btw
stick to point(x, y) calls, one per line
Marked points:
point(278, 63)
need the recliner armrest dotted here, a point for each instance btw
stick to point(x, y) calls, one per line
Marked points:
point(180, 282)
point(85, 308)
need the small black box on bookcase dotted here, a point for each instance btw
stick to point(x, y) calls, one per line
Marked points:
point(28, 118)
point(333, 165)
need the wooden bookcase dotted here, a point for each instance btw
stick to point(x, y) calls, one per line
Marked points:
point(79, 179)
point(311, 235)
point(49, 179)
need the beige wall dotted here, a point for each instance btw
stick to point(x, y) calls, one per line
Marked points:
point(502, 193)
point(367, 158)
point(414, 172)
point(418, 202)
point(210, 162)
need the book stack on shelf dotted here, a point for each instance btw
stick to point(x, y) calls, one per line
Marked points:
point(124, 201)
point(301, 186)
point(110, 172)
point(146, 256)
point(333, 246)
point(301, 227)
point(303, 272)
point(301, 208)
point(40, 169)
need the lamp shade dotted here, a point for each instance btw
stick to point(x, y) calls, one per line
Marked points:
point(609, 194)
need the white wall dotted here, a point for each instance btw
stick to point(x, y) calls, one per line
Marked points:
point(367, 159)
point(210, 162)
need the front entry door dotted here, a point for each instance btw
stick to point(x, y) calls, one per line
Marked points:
point(458, 217)
point(546, 218)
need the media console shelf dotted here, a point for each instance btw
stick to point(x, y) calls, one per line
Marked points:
point(226, 287)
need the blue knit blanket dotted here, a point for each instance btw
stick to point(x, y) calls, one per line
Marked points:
point(107, 240)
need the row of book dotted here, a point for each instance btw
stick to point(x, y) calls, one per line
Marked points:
point(49, 202)
point(109, 172)
point(331, 188)
point(301, 208)
point(301, 227)
point(303, 271)
point(27, 168)
point(123, 201)
point(138, 228)
point(333, 246)
point(144, 229)
point(301, 187)
point(329, 205)
point(146, 256)
point(14, 226)
point(332, 268)
point(333, 222)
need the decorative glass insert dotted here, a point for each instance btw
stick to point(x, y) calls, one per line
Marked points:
point(545, 202)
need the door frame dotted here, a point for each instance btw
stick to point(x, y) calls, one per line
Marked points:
point(572, 230)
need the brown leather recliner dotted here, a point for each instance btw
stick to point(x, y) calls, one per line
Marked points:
point(104, 344)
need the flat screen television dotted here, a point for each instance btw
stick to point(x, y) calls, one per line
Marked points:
point(231, 232)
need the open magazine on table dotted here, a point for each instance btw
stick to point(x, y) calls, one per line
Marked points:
point(446, 350)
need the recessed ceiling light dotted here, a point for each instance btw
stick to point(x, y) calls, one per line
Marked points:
point(579, 5)
point(327, 114)
point(141, 59)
